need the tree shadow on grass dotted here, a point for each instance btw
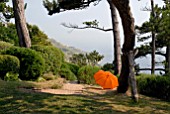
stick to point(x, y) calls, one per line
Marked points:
point(13, 101)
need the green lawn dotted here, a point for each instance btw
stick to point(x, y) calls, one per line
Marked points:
point(13, 101)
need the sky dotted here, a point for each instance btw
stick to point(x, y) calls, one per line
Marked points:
point(87, 39)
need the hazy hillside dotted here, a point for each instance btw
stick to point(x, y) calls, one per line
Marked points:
point(68, 50)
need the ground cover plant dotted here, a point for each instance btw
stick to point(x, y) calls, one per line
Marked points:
point(14, 101)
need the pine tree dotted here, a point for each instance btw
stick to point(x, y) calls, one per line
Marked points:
point(162, 29)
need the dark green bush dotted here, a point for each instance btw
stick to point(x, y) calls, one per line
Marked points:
point(53, 58)
point(154, 86)
point(31, 63)
point(65, 72)
point(9, 34)
point(108, 67)
point(73, 67)
point(8, 63)
point(86, 74)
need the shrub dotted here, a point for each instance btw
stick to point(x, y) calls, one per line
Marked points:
point(86, 74)
point(66, 73)
point(53, 57)
point(154, 86)
point(74, 68)
point(8, 63)
point(10, 76)
point(49, 76)
point(4, 45)
point(108, 67)
point(31, 63)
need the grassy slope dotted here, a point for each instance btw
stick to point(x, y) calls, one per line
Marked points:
point(13, 101)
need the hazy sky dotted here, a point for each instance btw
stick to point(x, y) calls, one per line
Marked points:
point(89, 39)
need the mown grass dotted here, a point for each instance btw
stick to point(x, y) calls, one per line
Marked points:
point(14, 101)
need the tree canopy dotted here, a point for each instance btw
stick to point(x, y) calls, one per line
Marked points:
point(6, 11)
point(63, 5)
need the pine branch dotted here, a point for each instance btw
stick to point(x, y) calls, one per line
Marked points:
point(85, 27)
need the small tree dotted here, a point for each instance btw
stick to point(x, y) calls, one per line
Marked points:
point(94, 57)
point(161, 27)
point(79, 59)
point(91, 58)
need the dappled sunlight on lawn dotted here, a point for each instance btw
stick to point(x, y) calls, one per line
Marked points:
point(16, 101)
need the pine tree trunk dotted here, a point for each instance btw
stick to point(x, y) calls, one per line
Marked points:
point(153, 40)
point(132, 79)
point(167, 65)
point(20, 22)
point(116, 35)
point(128, 46)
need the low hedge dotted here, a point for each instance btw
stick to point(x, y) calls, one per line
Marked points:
point(8, 64)
point(31, 63)
point(154, 86)
point(86, 74)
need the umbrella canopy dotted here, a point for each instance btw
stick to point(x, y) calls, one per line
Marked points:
point(106, 79)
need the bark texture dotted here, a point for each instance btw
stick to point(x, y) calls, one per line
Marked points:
point(167, 66)
point(132, 79)
point(20, 22)
point(153, 40)
point(116, 35)
point(129, 42)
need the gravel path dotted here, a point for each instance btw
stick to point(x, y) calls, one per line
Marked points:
point(72, 88)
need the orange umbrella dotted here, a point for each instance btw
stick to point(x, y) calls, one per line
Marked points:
point(106, 79)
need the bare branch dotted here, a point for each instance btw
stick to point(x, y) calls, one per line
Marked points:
point(85, 27)
point(145, 8)
point(150, 69)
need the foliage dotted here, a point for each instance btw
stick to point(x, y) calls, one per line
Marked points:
point(37, 36)
point(53, 57)
point(74, 68)
point(8, 64)
point(31, 63)
point(6, 12)
point(86, 74)
point(159, 24)
point(107, 67)
point(94, 57)
point(8, 34)
point(10, 76)
point(49, 76)
point(154, 86)
point(91, 23)
point(4, 45)
point(63, 5)
point(91, 58)
point(66, 72)
point(78, 59)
